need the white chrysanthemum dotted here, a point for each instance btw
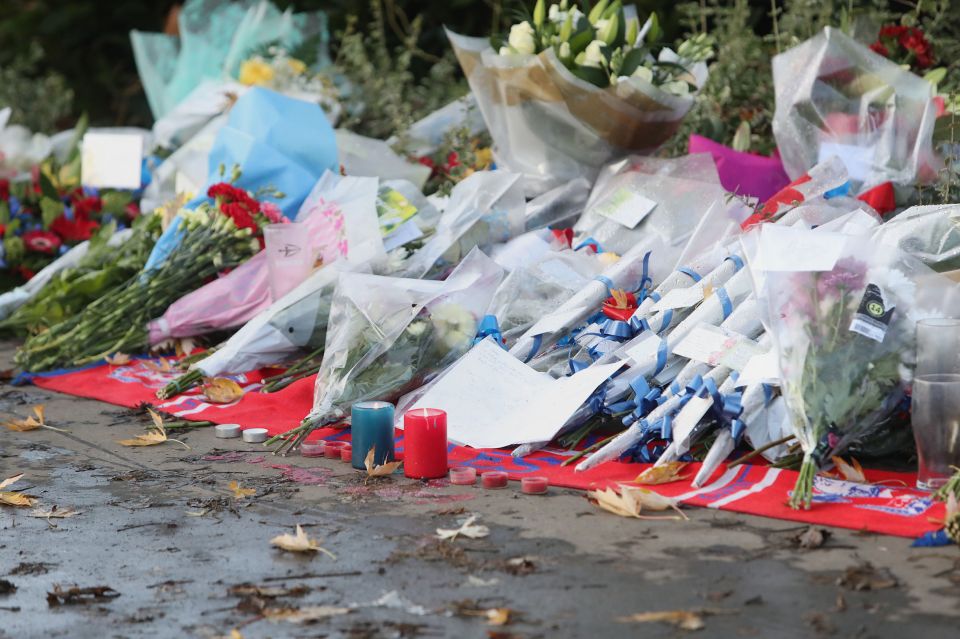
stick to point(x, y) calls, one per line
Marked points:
point(593, 55)
point(521, 38)
point(455, 325)
point(897, 288)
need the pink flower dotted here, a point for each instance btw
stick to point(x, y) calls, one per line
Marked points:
point(273, 213)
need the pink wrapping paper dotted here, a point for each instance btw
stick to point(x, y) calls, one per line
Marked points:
point(743, 173)
point(237, 297)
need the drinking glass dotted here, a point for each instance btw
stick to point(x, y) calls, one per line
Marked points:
point(289, 256)
point(935, 407)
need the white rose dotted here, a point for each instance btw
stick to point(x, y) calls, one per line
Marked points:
point(521, 38)
point(593, 55)
point(643, 73)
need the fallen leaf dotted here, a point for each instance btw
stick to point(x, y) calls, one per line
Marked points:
point(467, 529)
point(241, 493)
point(382, 470)
point(665, 474)
point(235, 634)
point(162, 365)
point(498, 616)
point(866, 577)
point(220, 390)
point(9, 481)
point(117, 359)
point(54, 513)
point(811, 538)
point(77, 595)
point(632, 501)
point(156, 435)
point(9, 498)
point(308, 614)
point(33, 422)
point(269, 592)
point(849, 472)
point(299, 543)
point(683, 619)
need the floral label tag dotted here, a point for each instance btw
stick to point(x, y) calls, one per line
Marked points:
point(626, 207)
point(873, 315)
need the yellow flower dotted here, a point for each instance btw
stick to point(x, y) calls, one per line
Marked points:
point(298, 66)
point(255, 72)
point(484, 157)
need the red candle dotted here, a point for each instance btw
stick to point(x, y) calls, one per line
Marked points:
point(494, 479)
point(463, 476)
point(332, 449)
point(534, 485)
point(346, 453)
point(425, 443)
point(312, 449)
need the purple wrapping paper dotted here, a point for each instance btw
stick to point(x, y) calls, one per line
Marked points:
point(743, 173)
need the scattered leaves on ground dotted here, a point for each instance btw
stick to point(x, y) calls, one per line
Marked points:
point(383, 469)
point(811, 538)
point(683, 619)
point(466, 529)
point(54, 513)
point(632, 501)
point(498, 616)
point(154, 436)
point(307, 614)
point(76, 595)
point(267, 592)
point(299, 542)
point(117, 359)
point(33, 422)
point(7, 587)
point(239, 492)
point(665, 474)
point(220, 390)
point(10, 498)
point(866, 577)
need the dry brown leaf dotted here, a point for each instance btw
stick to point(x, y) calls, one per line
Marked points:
point(632, 501)
point(307, 614)
point(184, 346)
point(9, 481)
point(235, 634)
point(665, 474)
point(849, 472)
point(117, 359)
point(299, 543)
point(467, 529)
point(162, 365)
point(498, 616)
point(54, 513)
point(382, 470)
point(221, 390)
point(156, 435)
point(241, 493)
point(683, 619)
point(9, 498)
point(33, 422)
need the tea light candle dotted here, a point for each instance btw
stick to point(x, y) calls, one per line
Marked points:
point(346, 453)
point(534, 485)
point(312, 449)
point(494, 479)
point(371, 425)
point(463, 475)
point(255, 435)
point(226, 431)
point(425, 443)
point(332, 449)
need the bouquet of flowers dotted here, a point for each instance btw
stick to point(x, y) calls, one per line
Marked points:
point(80, 276)
point(565, 93)
point(845, 337)
point(387, 335)
point(277, 69)
point(834, 96)
point(212, 237)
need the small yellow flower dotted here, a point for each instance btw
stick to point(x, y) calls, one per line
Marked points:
point(484, 157)
point(298, 66)
point(255, 72)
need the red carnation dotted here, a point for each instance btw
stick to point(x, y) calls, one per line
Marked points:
point(41, 242)
point(132, 210)
point(4, 190)
point(877, 47)
point(84, 206)
point(239, 214)
point(78, 229)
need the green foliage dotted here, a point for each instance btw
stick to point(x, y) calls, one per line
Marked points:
point(39, 100)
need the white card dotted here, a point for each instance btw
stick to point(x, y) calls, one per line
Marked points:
point(625, 207)
point(111, 160)
point(857, 159)
point(785, 248)
point(680, 298)
point(492, 399)
point(406, 232)
point(763, 368)
point(717, 347)
point(557, 320)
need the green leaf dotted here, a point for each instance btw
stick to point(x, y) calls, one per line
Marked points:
point(50, 209)
point(580, 40)
point(592, 75)
point(73, 151)
point(597, 11)
point(4, 213)
point(935, 76)
point(115, 202)
point(632, 61)
point(655, 32)
point(47, 187)
point(102, 235)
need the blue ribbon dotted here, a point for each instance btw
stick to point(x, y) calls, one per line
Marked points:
point(725, 302)
point(665, 322)
point(661, 356)
point(537, 341)
point(737, 262)
point(689, 272)
point(606, 281)
point(843, 189)
point(489, 327)
point(590, 242)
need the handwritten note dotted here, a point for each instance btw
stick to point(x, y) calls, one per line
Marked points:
point(626, 207)
point(111, 160)
point(717, 347)
point(493, 399)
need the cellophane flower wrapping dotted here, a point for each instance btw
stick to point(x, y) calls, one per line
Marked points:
point(846, 341)
point(681, 189)
point(386, 335)
point(834, 96)
point(552, 126)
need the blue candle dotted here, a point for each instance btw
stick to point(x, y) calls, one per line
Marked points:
point(371, 425)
